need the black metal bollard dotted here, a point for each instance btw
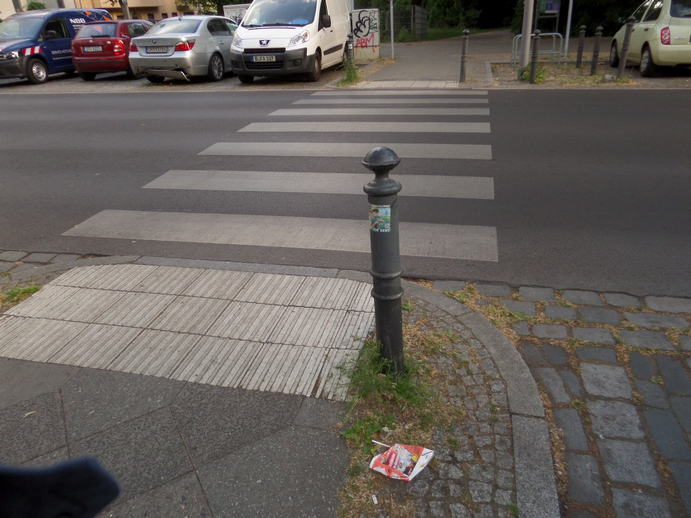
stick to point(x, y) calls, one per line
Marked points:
point(382, 195)
point(625, 47)
point(581, 43)
point(350, 48)
point(464, 54)
point(533, 58)
point(596, 50)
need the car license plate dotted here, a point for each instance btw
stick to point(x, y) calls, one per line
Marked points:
point(156, 50)
point(96, 48)
point(264, 58)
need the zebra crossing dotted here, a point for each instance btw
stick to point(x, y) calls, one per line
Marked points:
point(418, 239)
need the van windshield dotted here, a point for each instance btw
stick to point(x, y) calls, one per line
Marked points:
point(680, 8)
point(267, 13)
point(21, 27)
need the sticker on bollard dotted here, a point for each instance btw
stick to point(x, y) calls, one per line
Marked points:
point(380, 218)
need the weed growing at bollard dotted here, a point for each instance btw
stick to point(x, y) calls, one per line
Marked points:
point(351, 74)
point(539, 74)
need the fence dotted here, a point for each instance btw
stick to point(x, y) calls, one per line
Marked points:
point(408, 23)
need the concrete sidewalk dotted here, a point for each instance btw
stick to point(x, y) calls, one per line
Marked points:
point(198, 383)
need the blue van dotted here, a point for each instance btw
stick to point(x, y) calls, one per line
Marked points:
point(34, 44)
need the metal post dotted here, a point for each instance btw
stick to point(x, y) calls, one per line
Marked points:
point(596, 50)
point(393, 55)
point(568, 31)
point(464, 53)
point(528, 6)
point(625, 47)
point(581, 43)
point(382, 195)
point(533, 59)
point(351, 48)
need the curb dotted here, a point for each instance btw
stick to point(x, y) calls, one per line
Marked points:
point(536, 491)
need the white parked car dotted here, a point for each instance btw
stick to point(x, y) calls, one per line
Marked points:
point(661, 36)
point(184, 47)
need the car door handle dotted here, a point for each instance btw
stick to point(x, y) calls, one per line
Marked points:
point(646, 30)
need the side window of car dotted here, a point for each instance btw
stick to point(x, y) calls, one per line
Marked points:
point(654, 12)
point(638, 13)
point(58, 27)
point(136, 29)
point(231, 26)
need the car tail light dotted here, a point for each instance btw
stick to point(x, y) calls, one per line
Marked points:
point(118, 47)
point(184, 46)
point(133, 47)
point(665, 36)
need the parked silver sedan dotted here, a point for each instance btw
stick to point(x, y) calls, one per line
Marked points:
point(184, 47)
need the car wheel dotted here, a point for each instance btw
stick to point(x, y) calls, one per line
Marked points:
point(613, 55)
point(246, 79)
point(87, 76)
point(36, 71)
point(157, 80)
point(216, 69)
point(647, 66)
point(316, 72)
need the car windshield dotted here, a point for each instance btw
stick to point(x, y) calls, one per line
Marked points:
point(21, 27)
point(175, 26)
point(266, 13)
point(97, 30)
point(680, 8)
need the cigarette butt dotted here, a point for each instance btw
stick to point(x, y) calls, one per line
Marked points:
point(374, 499)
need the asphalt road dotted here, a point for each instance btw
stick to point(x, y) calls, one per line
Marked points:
point(592, 188)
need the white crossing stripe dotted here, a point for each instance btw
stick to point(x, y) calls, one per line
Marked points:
point(469, 187)
point(300, 112)
point(477, 243)
point(361, 101)
point(349, 149)
point(341, 93)
point(365, 127)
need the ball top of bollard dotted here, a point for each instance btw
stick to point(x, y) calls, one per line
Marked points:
point(466, 32)
point(381, 160)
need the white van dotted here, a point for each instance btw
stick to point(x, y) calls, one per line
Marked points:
point(282, 37)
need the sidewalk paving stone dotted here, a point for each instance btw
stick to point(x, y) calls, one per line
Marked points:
point(669, 304)
point(570, 423)
point(621, 300)
point(605, 380)
point(668, 436)
point(584, 479)
point(594, 335)
point(599, 315)
point(598, 354)
point(12, 255)
point(656, 320)
point(582, 297)
point(549, 331)
point(560, 312)
point(39, 258)
point(614, 419)
point(629, 462)
point(536, 294)
point(630, 504)
point(494, 290)
point(647, 339)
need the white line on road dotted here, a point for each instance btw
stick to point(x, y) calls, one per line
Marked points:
point(364, 127)
point(478, 243)
point(361, 101)
point(341, 93)
point(349, 150)
point(468, 187)
point(290, 112)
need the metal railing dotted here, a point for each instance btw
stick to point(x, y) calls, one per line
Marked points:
point(556, 49)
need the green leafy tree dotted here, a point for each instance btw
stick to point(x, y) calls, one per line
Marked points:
point(35, 6)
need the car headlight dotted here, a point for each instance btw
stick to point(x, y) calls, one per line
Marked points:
point(302, 37)
point(10, 55)
point(237, 41)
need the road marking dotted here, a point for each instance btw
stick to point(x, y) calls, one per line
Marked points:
point(477, 243)
point(295, 112)
point(388, 93)
point(361, 101)
point(367, 127)
point(468, 187)
point(349, 149)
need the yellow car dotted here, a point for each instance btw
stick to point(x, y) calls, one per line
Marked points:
point(661, 36)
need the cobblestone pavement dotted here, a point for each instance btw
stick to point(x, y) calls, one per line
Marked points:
point(614, 373)
point(473, 471)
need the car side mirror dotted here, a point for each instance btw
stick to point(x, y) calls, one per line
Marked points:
point(326, 21)
point(51, 35)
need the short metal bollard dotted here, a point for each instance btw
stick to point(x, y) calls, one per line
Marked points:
point(596, 50)
point(533, 58)
point(350, 48)
point(625, 47)
point(382, 195)
point(464, 54)
point(581, 44)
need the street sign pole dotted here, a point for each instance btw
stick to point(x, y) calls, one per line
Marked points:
point(393, 56)
point(527, 32)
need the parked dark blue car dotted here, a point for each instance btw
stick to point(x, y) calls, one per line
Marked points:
point(35, 44)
